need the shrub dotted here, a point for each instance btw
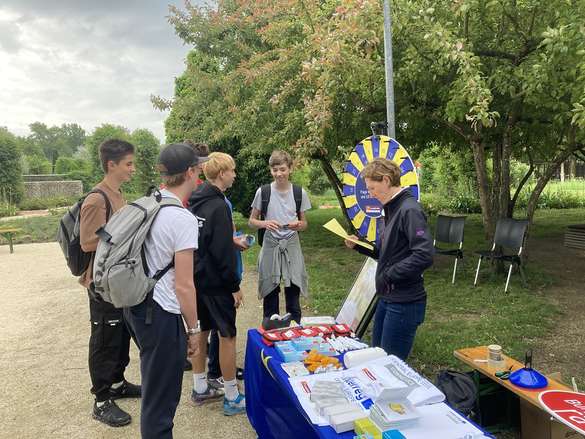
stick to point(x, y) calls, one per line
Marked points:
point(65, 165)
point(38, 165)
point(7, 209)
point(46, 203)
point(85, 176)
point(11, 186)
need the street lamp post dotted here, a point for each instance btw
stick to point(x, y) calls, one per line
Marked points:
point(389, 70)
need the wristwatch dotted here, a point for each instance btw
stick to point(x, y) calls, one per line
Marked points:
point(193, 331)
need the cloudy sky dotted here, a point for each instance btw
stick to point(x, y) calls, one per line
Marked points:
point(86, 61)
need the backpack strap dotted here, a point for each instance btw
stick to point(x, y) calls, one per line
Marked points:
point(265, 191)
point(298, 196)
point(107, 200)
point(150, 297)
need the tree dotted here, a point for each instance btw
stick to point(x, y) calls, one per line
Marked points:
point(38, 165)
point(93, 142)
point(54, 141)
point(503, 79)
point(11, 185)
point(147, 150)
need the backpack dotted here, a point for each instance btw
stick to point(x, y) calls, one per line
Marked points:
point(265, 191)
point(460, 391)
point(120, 272)
point(68, 235)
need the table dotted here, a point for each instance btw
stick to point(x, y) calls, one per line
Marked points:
point(535, 422)
point(272, 407)
point(9, 234)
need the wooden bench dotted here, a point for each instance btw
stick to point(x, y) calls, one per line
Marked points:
point(575, 236)
point(535, 422)
point(9, 233)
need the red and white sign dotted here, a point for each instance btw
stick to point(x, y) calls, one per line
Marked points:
point(567, 407)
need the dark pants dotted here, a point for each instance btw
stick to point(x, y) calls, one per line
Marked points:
point(291, 296)
point(213, 368)
point(395, 326)
point(109, 345)
point(163, 349)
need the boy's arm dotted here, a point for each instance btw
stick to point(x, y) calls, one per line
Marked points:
point(185, 287)
point(92, 217)
point(300, 225)
point(221, 250)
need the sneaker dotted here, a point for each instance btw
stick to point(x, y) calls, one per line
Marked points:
point(239, 373)
point(234, 407)
point(126, 390)
point(209, 395)
point(216, 383)
point(109, 413)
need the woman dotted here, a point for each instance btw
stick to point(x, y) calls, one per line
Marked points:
point(404, 250)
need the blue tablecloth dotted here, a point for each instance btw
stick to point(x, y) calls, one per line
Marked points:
point(273, 409)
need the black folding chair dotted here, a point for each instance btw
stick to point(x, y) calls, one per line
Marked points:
point(510, 234)
point(449, 230)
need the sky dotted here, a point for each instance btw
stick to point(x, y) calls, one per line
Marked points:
point(87, 62)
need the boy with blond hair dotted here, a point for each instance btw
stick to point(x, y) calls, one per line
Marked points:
point(280, 208)
point(217, 281)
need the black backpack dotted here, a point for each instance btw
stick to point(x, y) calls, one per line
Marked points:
point(68, 235)
point(460, 391)
point(265, 198)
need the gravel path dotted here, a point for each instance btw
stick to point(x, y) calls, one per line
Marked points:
point(44, 331)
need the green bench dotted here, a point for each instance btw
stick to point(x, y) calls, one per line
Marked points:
point(8, 234)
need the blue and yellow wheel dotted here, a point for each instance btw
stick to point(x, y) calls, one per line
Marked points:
point(366, 212)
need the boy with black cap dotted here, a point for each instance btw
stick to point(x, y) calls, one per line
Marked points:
point(173, 235)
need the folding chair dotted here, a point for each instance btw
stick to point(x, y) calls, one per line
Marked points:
point(510, 233)
point(449, 230)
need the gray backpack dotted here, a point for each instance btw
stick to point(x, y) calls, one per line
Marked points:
point(120, 272)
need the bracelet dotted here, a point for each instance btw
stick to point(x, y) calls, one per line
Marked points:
point(193, 331)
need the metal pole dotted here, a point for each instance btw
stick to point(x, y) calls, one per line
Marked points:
point(389, 69)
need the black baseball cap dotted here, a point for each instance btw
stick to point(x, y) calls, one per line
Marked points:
point(176, 158)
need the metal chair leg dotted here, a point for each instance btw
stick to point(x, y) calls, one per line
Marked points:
point(477, 271)
point(454, 270)
point(522, 275)
point(508, 280)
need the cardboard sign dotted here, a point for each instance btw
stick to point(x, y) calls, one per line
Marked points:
point(567, 407)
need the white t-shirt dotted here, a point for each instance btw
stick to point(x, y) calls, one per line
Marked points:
point(281, 208)
point(174, 229)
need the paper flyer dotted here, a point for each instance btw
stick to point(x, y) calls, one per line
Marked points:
point(334, 226)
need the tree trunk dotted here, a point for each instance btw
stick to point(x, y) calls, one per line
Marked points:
point(483, 187)
point(337, 187)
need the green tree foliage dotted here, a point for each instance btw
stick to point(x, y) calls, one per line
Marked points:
point(499, 79)
point(65, 165)
point(38, 165)
point(147, 150)
point(93, 142)
point(11, 186)
point(54, 141)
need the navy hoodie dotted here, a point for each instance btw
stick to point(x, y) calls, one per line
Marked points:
point(216, 269)
point(404, 251)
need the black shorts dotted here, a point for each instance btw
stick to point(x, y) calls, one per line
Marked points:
point(217, 312)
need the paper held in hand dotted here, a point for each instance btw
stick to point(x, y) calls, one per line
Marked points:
point(334, 226)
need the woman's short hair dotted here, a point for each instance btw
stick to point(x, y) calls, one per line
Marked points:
point(218, 162)
point(278, 158)
point(379, 168)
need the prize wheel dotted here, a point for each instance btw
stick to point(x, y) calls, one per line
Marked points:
point(366, 212)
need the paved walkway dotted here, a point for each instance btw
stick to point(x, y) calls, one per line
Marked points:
point(44, 331)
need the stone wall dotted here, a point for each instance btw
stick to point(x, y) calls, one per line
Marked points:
point(46, 189)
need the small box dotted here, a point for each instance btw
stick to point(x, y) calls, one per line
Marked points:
point(393, 434)
point(366, 426)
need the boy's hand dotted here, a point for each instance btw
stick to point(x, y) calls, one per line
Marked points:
point(351, 244)
point(271, 225)
point(193, 345)
point(240, 242)
point(238, 299)
point(295, 225)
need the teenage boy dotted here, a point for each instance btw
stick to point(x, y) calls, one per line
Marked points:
point(281, 256)
point(109, 342)
point(163, 342)
point(218, 283)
